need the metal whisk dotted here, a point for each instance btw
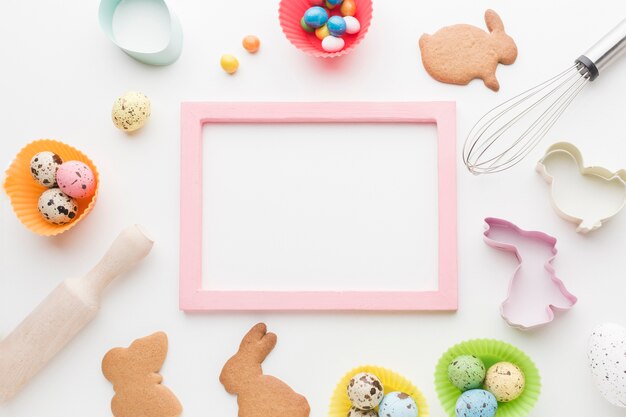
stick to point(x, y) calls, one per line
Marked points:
point(508, 132)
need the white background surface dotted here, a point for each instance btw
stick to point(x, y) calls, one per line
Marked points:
point(60, 76)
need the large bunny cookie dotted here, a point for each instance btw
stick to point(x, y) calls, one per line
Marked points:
point(260, 395)
point(460, 53)
point(133, 371)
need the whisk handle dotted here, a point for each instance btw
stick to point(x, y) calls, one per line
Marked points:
point(605, 51)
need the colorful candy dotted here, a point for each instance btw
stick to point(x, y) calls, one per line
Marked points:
point(322, 32)
point(336, 26)
point(352, 25)
point(306, 27)
point(229, 63)
point(348, 8)
point(315, 17)
point(251, 43)
point(333, 44)
point(331, 29)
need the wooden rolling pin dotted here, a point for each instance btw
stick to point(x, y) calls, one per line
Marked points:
point(61, 315)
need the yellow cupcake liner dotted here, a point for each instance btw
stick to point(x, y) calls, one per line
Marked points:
point(340, 403)
point(24, 191)
point(489, 351)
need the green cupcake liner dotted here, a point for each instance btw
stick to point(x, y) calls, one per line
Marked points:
point(489, 351)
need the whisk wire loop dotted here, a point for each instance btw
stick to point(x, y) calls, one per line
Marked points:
point(493, 145)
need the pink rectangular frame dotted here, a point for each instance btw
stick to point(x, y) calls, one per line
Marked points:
point(194, 115)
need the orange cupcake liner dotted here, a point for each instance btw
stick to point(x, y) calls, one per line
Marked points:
point(24, 191)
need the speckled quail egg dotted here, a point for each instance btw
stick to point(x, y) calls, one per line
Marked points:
point(131, 111)
point(365, 391)
point(43, 168)
point(57, 207)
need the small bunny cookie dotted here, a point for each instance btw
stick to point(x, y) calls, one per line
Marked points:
point(260, 395)
point(133, 371)
point(460, 53)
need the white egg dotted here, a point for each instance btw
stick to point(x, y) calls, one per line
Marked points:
point(352, 25)
point(607, 359)
point(333, 44)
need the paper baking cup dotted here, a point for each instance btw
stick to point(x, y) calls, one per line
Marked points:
point(340, 403)
point(24, 191)
point(290, 13)
point(489, 351)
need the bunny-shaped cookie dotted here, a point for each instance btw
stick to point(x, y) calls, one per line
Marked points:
point(260, 395)
point(133, 371)
point(460, 53)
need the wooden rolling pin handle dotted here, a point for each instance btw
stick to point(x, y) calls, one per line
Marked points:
point(127, 249)
point(61, 315)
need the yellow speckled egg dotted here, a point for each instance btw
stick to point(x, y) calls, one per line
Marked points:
point(131, 111)
point(505, 381)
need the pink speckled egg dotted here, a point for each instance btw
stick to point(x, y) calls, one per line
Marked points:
point(76, 179)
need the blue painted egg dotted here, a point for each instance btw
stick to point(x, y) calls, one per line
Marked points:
point(336, 25)
point(334, 2)
point(476, 403)
point(397, 404)
point(315, 17)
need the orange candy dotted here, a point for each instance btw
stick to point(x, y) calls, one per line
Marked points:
point(251, 43)
point(348, 8)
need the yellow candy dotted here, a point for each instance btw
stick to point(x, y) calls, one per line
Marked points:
point(348, 8)
point(229, 63)
point(329, 6)
point(322, 32)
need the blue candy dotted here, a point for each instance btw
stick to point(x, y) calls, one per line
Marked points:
point(336, 25)
point(476, 403)
point(334, 2)
point(315, 17)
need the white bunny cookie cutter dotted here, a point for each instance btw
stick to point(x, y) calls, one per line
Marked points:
point(164, 56)
point(586, 196)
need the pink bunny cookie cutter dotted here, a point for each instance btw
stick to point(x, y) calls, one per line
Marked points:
point(535, 292)
point(586, 196)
